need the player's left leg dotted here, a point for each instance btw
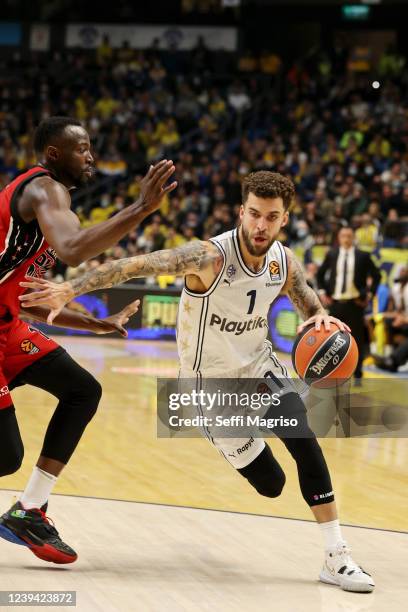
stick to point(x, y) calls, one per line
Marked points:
point(315, 484)
point(78, 394)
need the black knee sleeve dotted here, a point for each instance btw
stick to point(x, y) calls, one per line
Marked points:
point(265, 474)
point(314, 477)
point(11, 445)
point(78, 393)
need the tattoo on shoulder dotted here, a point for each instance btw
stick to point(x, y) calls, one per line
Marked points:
point(191, 258)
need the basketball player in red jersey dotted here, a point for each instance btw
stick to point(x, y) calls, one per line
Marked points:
point(37, 227)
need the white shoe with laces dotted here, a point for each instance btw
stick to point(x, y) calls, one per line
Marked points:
point(340, 569)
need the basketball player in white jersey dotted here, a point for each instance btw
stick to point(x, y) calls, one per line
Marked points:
point(230, 282)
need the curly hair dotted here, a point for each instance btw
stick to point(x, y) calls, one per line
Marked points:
point(265, 184)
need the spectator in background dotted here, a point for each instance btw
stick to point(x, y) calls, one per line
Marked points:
point(106, 104)
point(270, 63)
point(398, 325)
point(104, 52)
point(154, 235)
point(379, 148)
point(345, 150)
point(367, 234)
point(173, 239)
point(392, 230)
point(343, 282)
point(238, 99)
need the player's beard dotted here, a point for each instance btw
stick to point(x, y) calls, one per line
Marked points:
point(255, 251)
point(85, 178)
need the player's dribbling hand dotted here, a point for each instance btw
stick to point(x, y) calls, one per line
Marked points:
point(46, 293)
point(319, 319)
point(152, 187)
point(115, 322)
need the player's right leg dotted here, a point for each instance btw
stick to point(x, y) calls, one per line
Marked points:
point(314, 479)
point(78, 394)
point(19, 525)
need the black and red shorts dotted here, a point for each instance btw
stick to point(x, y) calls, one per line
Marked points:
point(20, 346)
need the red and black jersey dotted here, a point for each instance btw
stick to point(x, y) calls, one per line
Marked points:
point(23, 249)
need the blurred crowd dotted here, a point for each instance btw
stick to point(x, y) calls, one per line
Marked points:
point(344, 143)
point(220, 116)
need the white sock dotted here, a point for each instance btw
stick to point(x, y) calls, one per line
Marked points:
point(38, 489)
point(331, 532)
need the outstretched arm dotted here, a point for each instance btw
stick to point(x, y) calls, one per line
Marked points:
point(74, 319)
point(197, 258)
point(305, 299)
point(50, 204)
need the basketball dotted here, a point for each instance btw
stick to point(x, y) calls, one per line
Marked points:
point(329, 356)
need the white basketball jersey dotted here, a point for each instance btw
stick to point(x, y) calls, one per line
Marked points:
point(224, 328)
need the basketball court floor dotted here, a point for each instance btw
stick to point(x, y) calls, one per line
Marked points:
point(167, 524)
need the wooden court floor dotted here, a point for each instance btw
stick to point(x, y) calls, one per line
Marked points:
point(120, 458)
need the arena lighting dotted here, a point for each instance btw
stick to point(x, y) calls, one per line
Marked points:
point(355, 12)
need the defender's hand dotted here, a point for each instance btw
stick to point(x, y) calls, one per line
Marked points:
point(152, 188)
point(115, 322)
point(326, 320)
point(46, 293)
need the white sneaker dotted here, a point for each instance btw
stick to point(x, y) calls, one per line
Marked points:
point(339, 568)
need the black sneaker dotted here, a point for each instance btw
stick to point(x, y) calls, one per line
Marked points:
point(32, 528)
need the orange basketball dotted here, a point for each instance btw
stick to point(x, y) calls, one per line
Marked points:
point(329, 356)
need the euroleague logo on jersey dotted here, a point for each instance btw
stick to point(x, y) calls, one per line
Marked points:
point(274, 271)
point(29, 347)
point(4, 391)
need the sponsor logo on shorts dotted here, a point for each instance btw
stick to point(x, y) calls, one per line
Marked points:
point(246, 446)
point(29, 347)
point(330, 355)
point(237, 327)
point(274, 271)
point(4, 391)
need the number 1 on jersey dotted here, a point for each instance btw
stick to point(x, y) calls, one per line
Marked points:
point(252, 295)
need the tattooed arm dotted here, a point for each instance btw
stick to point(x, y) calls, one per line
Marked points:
point(198, 260)
point(305, 299)
point(301, 295)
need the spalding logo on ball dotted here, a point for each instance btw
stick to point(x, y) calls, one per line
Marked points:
point(329, 356)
